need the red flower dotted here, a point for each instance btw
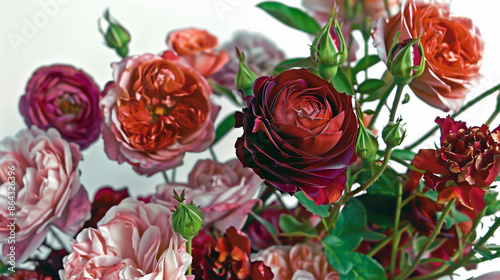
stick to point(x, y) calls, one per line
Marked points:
point(104, 199)
point(299, 133)
point(468, 157)
point(230, 259)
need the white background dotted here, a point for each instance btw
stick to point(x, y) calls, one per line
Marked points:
point(67, 33)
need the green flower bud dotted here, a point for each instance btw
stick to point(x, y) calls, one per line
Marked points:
point(406, 60)
point(329, 49)
point(187, 219)
point(394, 133)
point(116, 36)
point(366, 144)
point(245, 77)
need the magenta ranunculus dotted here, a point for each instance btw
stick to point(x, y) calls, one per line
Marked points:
point(225, 192)
point(261, 56)
point(134, 240)
point(38, 171)
point(299, 133)
point(155, 110)
point(65, 98)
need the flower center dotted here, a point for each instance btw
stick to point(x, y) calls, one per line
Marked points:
point(68, 104)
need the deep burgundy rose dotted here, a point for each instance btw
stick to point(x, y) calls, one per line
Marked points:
point(299, 133)
point(65, 98)
point(469, 157)
point(104, 199)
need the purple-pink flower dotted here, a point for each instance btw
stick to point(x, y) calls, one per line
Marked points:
point(225, 192)
point(261, 56)
point(134, 240)
point(39, 174)
point(65, 98)
point(155, 110)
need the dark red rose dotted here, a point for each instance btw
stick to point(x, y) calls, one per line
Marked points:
point(299, 133)
point(468, 157)
point(230, 259)
point(104, 199)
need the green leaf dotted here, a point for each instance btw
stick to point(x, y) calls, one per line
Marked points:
point(341, 82)
point(297, 234)
point(322, 210)
point(491, 203)
point(267, 225)
point(420, 241)
point(305, 62)
point(364, 63)
point(224, 128)
point(338, 258)
point(291, 16)
point(364, 268)
point(386, 184)
point(380, 208)
point(370, 86)
point(483, 252)
point(224, 91)
point(290, 224)
point(403, 154)
point(369, 235)
point(350, 225)
point(384, 91)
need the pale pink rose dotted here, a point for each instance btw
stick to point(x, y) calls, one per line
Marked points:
point(261, 56)
point(38, 171)
point(300, 261)
point(156, 109)
point(134, 240)
point(225, 192)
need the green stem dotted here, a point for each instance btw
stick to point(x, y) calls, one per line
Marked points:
point(165, 176)
point(395, 104)
point(459, 234)
point(395, 234)
point(370, 181)
point(431, 238)
point(439, 273)
point(189, 251)
point(386, 241)
point(380, 105)
point(387, 8)
point(212, 153)
point(173, 174)
point(332, 218)
point(491, 118)
point(467, 106)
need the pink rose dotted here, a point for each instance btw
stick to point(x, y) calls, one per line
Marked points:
point(301, 261)
point(65, 98)
point(225, 192)
point(452, 45)
point(197, 48)
point(156, 109)
point(134, 240)
point(38, 171)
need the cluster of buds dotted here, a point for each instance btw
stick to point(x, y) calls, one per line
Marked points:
point(116, 36)
point(406, 60)
point(329, 49)
point(187, 219)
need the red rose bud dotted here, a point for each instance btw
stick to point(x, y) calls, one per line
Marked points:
point(116, 37)
point(329, 49)
point(187, 219)
point(245, 77)
point(406, 60)
point(394, 133)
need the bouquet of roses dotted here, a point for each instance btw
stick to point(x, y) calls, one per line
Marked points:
point(320, 185)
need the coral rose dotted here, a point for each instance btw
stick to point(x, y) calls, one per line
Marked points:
point(39, 172)
point(197, 48)
point(299, 133)
point(65, 98)
point(301, 261)
point(469, 157)
point(452, 45)
point(156, 109)
point(224, 191)
point(134, 240)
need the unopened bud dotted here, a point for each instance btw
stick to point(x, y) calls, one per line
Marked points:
point(245, 77)
point(406, 60)
point(187, 219)
point(366, 144)
point(394, 133)
point(116, 36)
point(329, 49)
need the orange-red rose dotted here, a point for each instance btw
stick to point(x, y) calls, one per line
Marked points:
point(452, 45)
